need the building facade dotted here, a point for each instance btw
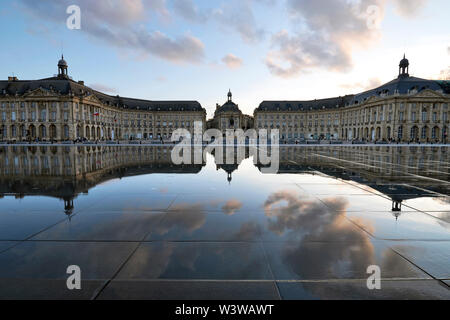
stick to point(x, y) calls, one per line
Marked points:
point(59, 108)
point(406, 109)
point(229, 116)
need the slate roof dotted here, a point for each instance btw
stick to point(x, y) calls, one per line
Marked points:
point(402, 85)
point(65, 86)
point(319, 104)
point(229, 106)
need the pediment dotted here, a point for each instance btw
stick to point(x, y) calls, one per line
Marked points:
point(428, 93)
point(39, 92)
point(92, 99)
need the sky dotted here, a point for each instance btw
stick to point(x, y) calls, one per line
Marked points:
point(198, 49)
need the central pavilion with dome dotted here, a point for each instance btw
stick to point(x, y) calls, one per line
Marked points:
point(229, 116)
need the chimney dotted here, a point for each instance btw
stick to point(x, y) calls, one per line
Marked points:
point(81, 82)
point(10, 79)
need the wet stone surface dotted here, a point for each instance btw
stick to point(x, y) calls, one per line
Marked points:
point(140, 227)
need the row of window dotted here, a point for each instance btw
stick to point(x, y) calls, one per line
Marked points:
point(32, 116)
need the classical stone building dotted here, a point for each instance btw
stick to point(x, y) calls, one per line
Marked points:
point(229, 116)
point(404, 109)
point(59, 108)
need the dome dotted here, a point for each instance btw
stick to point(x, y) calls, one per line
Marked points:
point(62, 62)
point(404, 63)
point(229, 107)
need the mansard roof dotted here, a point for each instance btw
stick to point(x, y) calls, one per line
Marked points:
point(319, 104)
point(403, 85)
point(66, 86)
point(229, 106)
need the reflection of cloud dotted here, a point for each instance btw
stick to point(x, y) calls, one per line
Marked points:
point(184, 215)
point(325, 237)
point(293, 212)
point(231, 206)
point(248, 231)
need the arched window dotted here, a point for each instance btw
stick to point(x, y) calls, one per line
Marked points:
point(413, 133)
point(434, 133)
point(424, 133)
point(66, 132)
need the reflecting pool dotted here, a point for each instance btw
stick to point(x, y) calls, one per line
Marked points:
point(140, 227)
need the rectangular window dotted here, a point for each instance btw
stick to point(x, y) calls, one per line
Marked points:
point(13, 116)
point(424, 116)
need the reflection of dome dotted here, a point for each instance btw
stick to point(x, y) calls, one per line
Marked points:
point(229, 169)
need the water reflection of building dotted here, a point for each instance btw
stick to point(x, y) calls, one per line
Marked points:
point(66, 172)
point(400, 173)
point(231, 160)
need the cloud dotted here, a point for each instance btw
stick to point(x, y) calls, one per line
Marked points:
point(444, 74)
point(120, 23)
point(231, 61)
point(326, 34)
point(189, 11)
point(103, 88)
point(367, 85)
point(238, 16)
point(409, 8)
